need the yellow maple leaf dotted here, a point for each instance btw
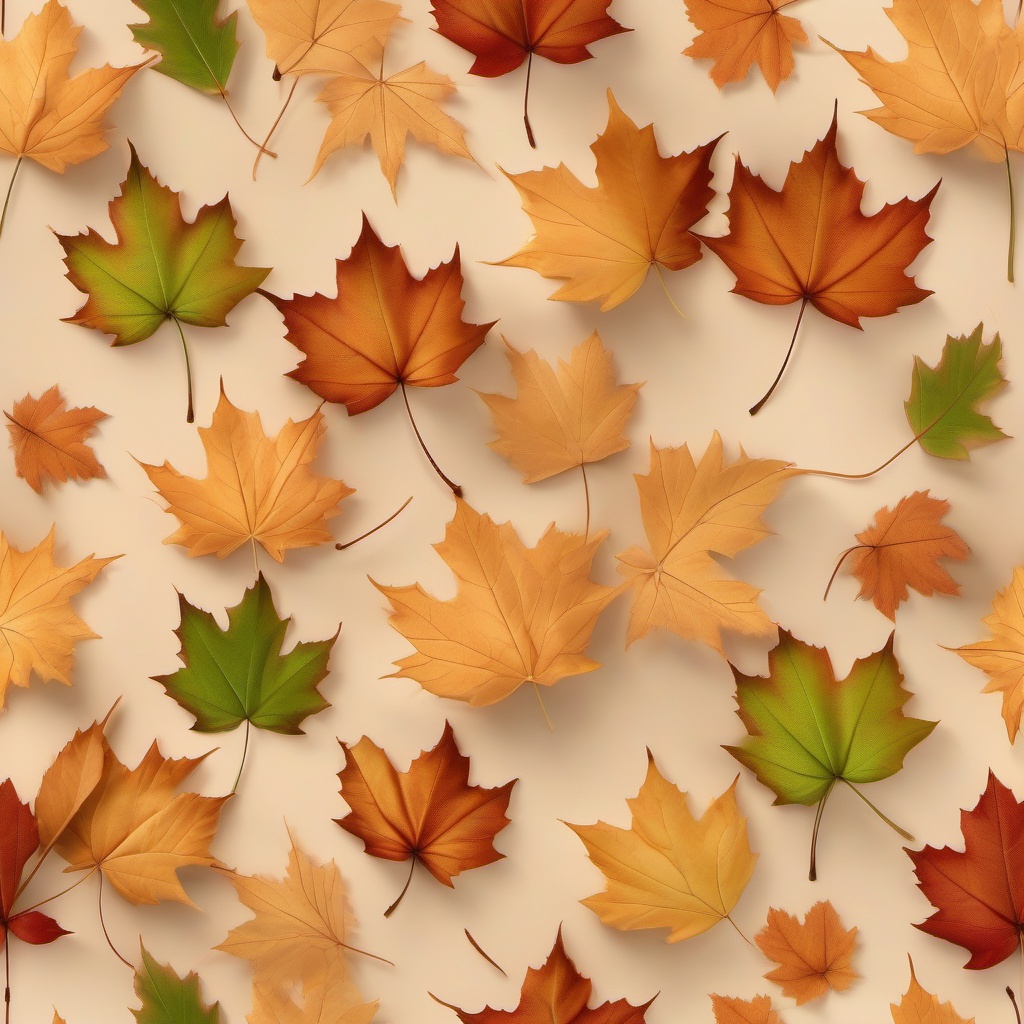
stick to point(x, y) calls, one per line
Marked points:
point(257, 488)
point(37, 625)
point(561, 419)
point(521, 614)
point(919, 1006)
point(669, 869)
point(44, 114)
point(690, 511)
point(336, 1002)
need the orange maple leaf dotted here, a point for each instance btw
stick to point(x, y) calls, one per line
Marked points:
point(901, 549)
point(49, 439)
point(604, 240)
point(738, 33)
point(429, 814)
point(918, 1006)
point(730, 1010)
point(257, 488)
point(813, 956)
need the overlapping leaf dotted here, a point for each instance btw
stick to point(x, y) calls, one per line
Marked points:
point(168, 998)
point(919, 1006)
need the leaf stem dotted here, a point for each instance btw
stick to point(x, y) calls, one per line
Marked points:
point(255, 558)
point(738, 931)
point(103, 925)
point(757, 406)
point(476, 945)
point(668, 294)
point(1013, 1001)
point(586, 495)
point(1013, 214)
point(7, 987)
point(526, 103)
point(902, 832)
point(234, 117)
point(190, 415)
point(835, 571)
point(50, 899)
point(812, 871)
point(10, 189)
point(245, 750)
point(543, 710)
point(273, 128)
point(379, 526)
point(405, 888)
point(455, 488)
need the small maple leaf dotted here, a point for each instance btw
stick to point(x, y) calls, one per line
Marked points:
point(813, 955)
point(979, 893)
point(730, 1010)
point(336, 1002)
point(921, 1007)
point(558, 993)
point(809, 730)
point(690, 511)
point(160, 988)
point(520, 615)
point(561, 419)
point(902, 549)
point(388, 110)
point(606, 239)
point(429, 814)
point(49, 440)
point(37, 625)
point(44, 114)
point(256, 489)
point(739, 33)
point(670, 869)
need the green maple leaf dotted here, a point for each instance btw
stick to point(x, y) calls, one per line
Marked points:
point(809, 730)
point(168, 999)
point(160, 268)
point(944, 399)
point(239, 674)
point(197, 49)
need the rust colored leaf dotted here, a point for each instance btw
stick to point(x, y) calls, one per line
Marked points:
point(729, 1010)
point(921, 1007)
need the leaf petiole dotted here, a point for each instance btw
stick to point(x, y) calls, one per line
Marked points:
point(526, 103)
point(1013, 215)
point(812, 871)
point(902, 832)
point(10, 188)
point(757, 406)
point(245, 750)
point(405, 888)
point(379, 526)
point(190, 415)
point(106, 934)
point(839, 563)
point(455, 488)
point(273, 127)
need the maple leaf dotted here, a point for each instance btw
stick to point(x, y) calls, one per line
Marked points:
point(813, 956)
point(160, 268)
point(558, 993)
point(979, 893)
point(428, 814)
point(690, 511)
point(921, 1007)
point(739, 33)
point(943, 407)
point(256, 489)
point(49, 440)
point(901, 549)
point(238, 674)
point(38, 627)
point(139, 831)
point(388, 110)
point(44, 114)
point(783, 246)
point(561, 419)
point(606, 239)
point(168, 998)
point(336, 1002)
point(729, 1010)
point(809, 730)
point(520, 615)
point(669, 869)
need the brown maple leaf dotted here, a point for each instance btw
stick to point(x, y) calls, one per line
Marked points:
point(901, 549)
point(38, 627)
point(256, 489)
point(561, 419)
point(49, 440)
point(521, 615)
point(428, 814)
point(810, 242)
point(813, 956)
point(738, 33)
point(730, 1010)
point(919, 1006)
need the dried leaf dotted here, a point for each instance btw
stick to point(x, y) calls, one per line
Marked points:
point(729, 1010)
point(921, 1007)
point(168, 998)
point(337, 1002)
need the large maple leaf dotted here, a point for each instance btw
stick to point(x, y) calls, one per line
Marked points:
point(979, 893)
point(692, 510)
point(810, 242)
point(809, 730)
point(521, 614)
point(38, 627)
point(337, 1001)
point(430, 814)
point(557, 993)
point(257, 488)
point(670, 869)
point(606, 239)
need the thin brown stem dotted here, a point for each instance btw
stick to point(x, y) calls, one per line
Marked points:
point(379, 526)
point(245, 750)
point(455, 488)
point(1020, 5)
point(103, 925)
point(902, 832)
point(255, 558)
point(812, 871)
point(543, 710)
point(586, 495)
point(7, 987)
point(190, 415)
point(1013, 214)
point(738, 931)
point(234, 117)
point(668, 294)
point(405, 888)
point(10, 189)
point(835, 571)
point(476, 945)
point(526, 103)
point(757, 406)
point(362, 952)
point(1013, 1000)
point(3, 17)
point(273, 127)
point(50, 899)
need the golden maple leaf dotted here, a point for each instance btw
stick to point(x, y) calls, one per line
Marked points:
point(521, 614)
point(691, 511)
point(44, 114)
point(564, 419)
point(37, 625)
point(336, 1002)
point(388, 110)
point(730, 1010)
point(138, 831)
point(669, 869)
point(49, 439)
point(919, 1006)
point(256, 489)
